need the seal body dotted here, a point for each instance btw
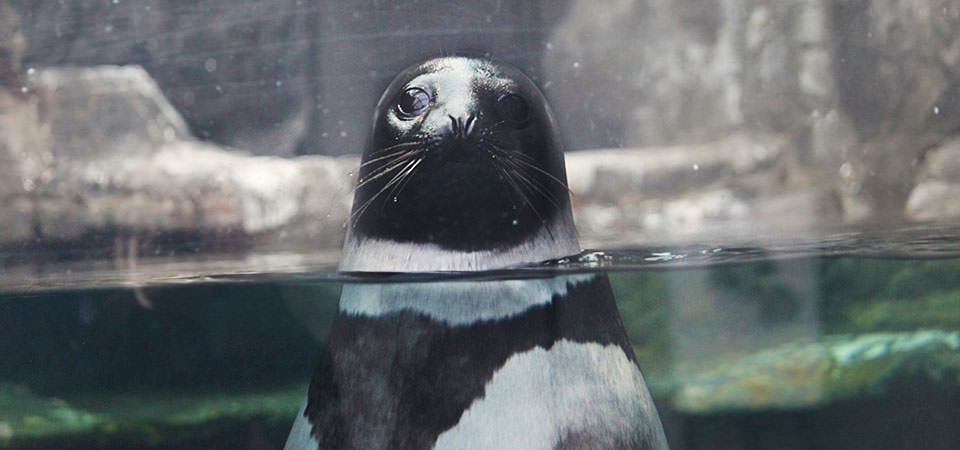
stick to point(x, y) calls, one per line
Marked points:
point(464, 171)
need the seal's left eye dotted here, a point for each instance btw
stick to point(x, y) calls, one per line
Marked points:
point(412, 102)
point(514, 108)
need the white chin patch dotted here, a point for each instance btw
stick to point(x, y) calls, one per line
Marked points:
point(456, 302)
point(541, 397)
point(382, 255)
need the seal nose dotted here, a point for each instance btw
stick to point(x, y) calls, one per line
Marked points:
point(462, 127)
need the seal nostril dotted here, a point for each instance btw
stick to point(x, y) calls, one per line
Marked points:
point(454, 126)
point(468, 129)
point(462, 128)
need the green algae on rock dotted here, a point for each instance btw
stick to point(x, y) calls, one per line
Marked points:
point(810, 375)
point(118, 419)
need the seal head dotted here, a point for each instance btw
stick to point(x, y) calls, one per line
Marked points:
point(463, 157)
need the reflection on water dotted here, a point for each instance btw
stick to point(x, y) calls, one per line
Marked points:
point(852, 341)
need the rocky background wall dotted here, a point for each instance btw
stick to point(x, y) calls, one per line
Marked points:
point(155, 118)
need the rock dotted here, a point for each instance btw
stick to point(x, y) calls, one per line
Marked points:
point(943, 162)
point(106, 111)
point(12, 45)
point(934, 198)
point(732, 187)
point(112, 155)
point(26, 417)
point(837, 368)
point(608, 175)
point(157, 420)
point(896, 80)
point(25, 165)
point(641, 73)
point(195, 186)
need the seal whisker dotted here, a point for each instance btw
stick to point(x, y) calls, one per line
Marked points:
point(406, 175)
point(512, 174)
point(540, 170)
point(535, 186)
point(396, 146)
point(519, 190)
point(530, 204)
point(372, 198)
point(400, 161)
point(381, 158)
point(520, 165)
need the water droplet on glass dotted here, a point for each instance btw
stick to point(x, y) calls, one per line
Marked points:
point(846, 170)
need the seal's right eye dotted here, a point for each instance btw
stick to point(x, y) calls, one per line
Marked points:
point(412, 102)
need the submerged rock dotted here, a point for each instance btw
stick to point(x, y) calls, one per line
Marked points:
point(155, 420)
point(26, 417)
point(837, 368)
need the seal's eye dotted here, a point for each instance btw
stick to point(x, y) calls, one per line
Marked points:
point(514, 108)
point(412, 102)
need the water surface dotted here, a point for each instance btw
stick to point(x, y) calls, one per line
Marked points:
point(844, 339)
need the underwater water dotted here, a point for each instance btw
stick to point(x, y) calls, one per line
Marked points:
point(846, 340)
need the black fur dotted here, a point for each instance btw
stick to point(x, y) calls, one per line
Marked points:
point(420, 375)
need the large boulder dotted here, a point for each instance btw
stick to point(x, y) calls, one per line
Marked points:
point(111, 156)
point(25, 164)
point(735, 188)
point(935, 197)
